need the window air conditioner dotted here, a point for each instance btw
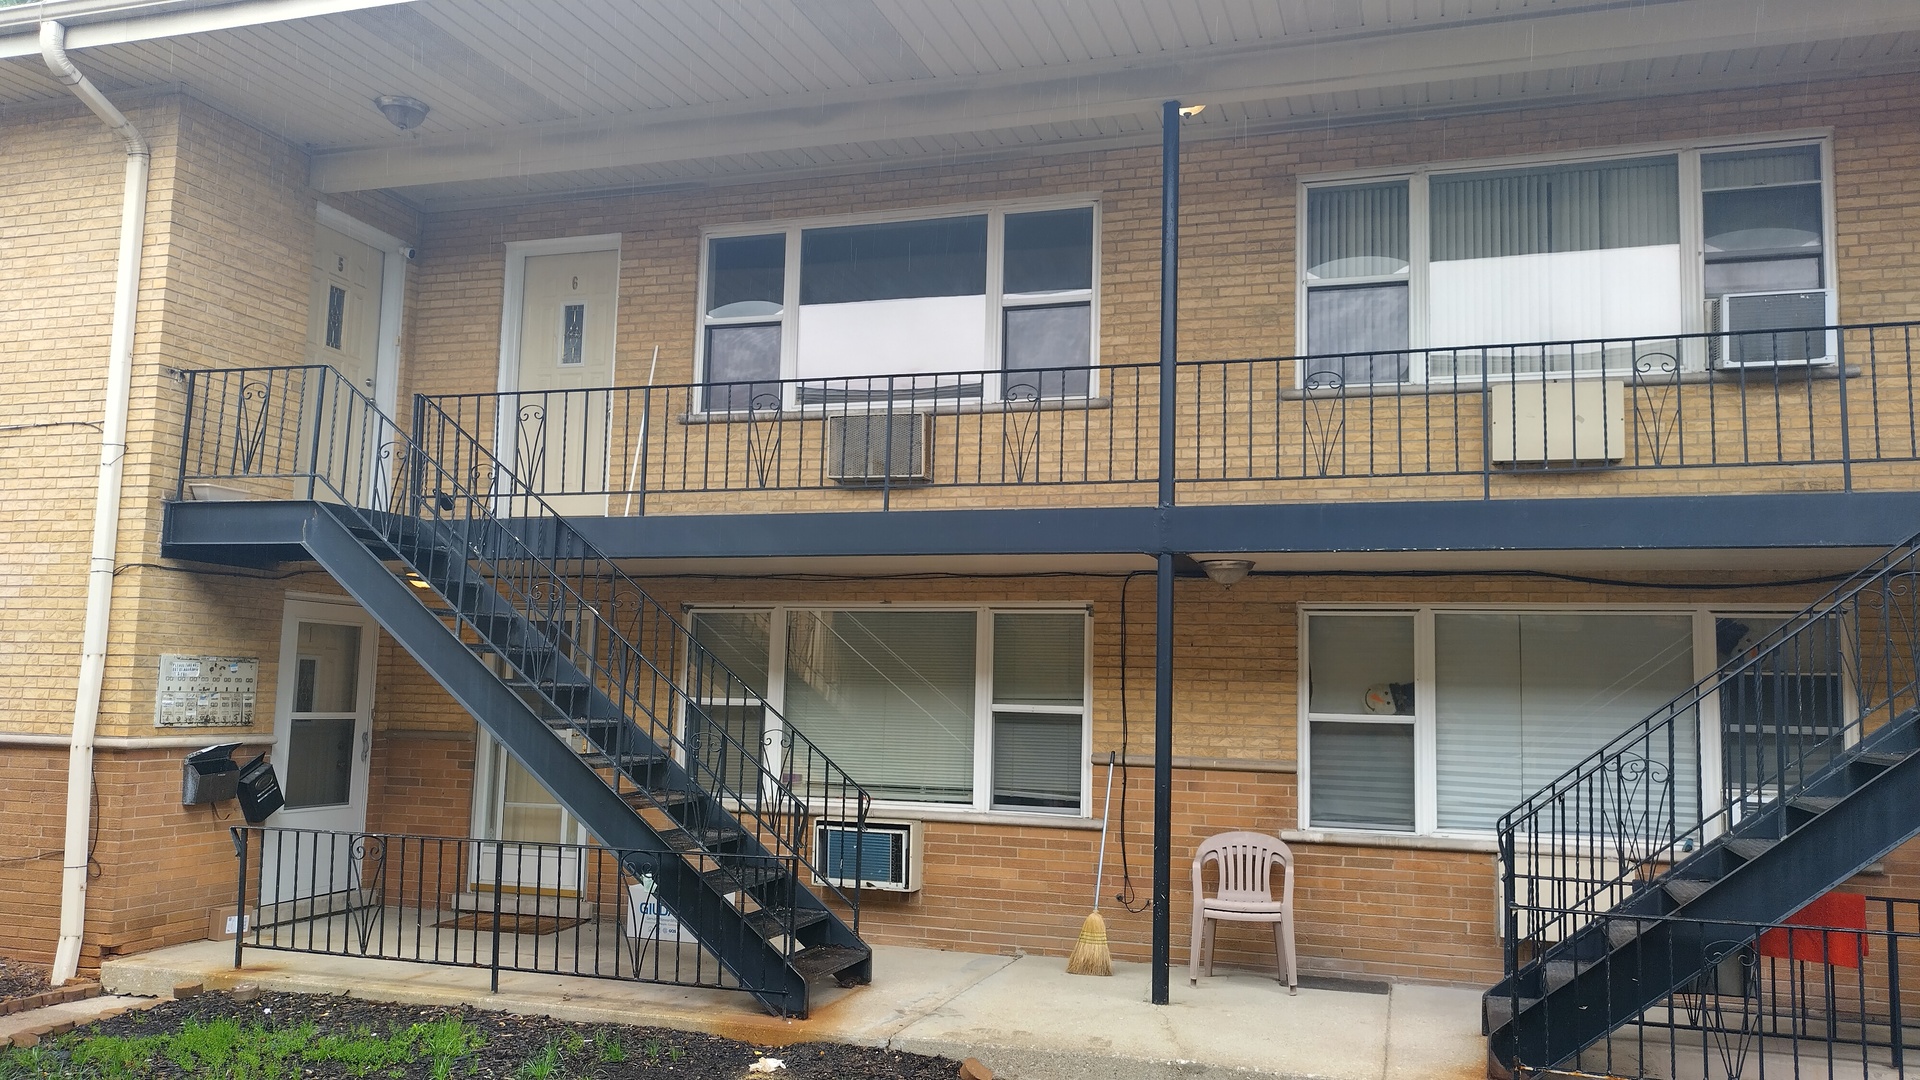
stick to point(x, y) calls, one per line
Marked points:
point(1773, 328)
point(868, 448)
point(889, 858)
point(1536, 421)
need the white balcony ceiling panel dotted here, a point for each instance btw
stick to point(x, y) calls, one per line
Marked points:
point(536, 97)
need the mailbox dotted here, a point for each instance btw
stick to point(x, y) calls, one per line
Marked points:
point(210, 775)
point(259, 790)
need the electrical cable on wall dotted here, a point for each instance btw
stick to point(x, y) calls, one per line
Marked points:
point(1128, 897)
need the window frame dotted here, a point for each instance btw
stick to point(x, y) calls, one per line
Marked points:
point(1419, 240)
point(998, 301)
point(1426, 784)
point(983, 703)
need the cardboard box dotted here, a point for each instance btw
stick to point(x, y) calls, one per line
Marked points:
point(221, 924)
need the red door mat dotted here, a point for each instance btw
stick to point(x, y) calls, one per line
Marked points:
point(1836, 913)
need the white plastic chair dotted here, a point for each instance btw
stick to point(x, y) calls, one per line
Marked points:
point(1246, 862)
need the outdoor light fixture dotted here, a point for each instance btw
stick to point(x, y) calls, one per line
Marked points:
point(1226, 571)
point(1190, 110)
point(401, 111)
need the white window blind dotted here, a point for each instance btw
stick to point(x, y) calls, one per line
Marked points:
point(1519, 698)
point(1039, 696)
point(889, 695)
point(1361, 695)
point(1555, 254)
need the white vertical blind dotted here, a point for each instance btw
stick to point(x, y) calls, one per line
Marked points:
point(1039, 695)
point(1519, 698)
point(889, 695)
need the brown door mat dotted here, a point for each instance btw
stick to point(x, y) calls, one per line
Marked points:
point(509, 923)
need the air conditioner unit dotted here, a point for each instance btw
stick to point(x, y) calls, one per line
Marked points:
point(888, 857)
point(868, 448)
point(1773, 328)
point(1536, 421)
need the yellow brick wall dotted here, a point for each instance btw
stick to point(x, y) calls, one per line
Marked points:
point(1237, 289)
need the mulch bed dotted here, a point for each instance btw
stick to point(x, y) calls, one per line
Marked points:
point(512, 1041)
point(19, 980)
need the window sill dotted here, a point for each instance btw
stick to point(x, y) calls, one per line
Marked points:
point(882, 812)
point(1757, 374)
point(1362, 838)
point(951, 408)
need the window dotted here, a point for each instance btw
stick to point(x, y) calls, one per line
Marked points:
point(1404, 278)
point(960, 707)
point(1438, 721)
point(946, 302)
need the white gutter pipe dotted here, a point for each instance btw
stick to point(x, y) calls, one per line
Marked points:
point(106, 504)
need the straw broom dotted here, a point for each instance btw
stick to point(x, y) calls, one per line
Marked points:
point(1091, 955)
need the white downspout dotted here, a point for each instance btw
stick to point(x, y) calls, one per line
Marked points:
point(106, 505)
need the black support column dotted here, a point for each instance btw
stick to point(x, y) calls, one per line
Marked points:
point(1163, 605)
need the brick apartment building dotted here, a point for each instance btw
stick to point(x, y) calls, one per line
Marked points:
point(837, 329)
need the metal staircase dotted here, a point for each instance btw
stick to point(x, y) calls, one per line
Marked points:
point(1633, 875)
point(663, 753)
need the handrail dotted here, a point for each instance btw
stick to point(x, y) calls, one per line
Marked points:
point(445, 495)
point(1613, 822)
point(1482, 416)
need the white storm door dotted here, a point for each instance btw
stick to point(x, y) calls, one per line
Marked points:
point(558, 425)
point(323, 747)
point(343, 333)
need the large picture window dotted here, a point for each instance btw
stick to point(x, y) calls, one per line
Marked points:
point(958, 707)
point(1437, 721)
point(1405, 279)
point(997, 304)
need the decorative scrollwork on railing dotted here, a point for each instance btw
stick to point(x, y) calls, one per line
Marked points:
point(1020, 429)
point(764, 429)
point(530, 447)
point(1656, 402)
point(389, 481)
point(366, 886)
point(1636, 811)
point(1325, 406)
point(1728, 1016)
point(252, 426)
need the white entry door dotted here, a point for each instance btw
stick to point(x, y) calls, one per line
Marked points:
point(559, 440)
point(323, 746)
point(343, 332)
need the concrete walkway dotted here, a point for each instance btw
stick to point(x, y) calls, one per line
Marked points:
point(1023, 1016)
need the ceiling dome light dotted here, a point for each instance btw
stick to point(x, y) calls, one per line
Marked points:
point(401, 111)
point(1226, 571)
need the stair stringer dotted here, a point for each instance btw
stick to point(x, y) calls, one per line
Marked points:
point(755, 961)
point(1612, 984)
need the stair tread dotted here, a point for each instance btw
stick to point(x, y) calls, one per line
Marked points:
point(1686, 890)
point(1751, 848)
point(772, 922)
point(819, 961)
point(730, 878)
point(659, 796)
point(685, 839)
point(1817, 804)
point(1884, 757)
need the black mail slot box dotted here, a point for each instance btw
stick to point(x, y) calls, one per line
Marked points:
point(259, 790)
point(210, 775)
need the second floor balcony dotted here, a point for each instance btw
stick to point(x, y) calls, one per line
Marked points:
point(1806, 409)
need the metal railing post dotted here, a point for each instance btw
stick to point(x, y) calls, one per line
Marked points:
point(1846, 432)
point(240, 895)
point(186, 436)
point(499, 880)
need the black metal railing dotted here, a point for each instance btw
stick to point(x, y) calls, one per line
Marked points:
point(568, 625)
point(1485, 421)
point(886, 433)
point(1783, 706)
point(504, 905)
point(1825, 994)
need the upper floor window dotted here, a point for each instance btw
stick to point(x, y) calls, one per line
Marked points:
point(997, 304)
point(1404, 278)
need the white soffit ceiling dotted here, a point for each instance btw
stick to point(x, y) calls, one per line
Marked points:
point(541, 97)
